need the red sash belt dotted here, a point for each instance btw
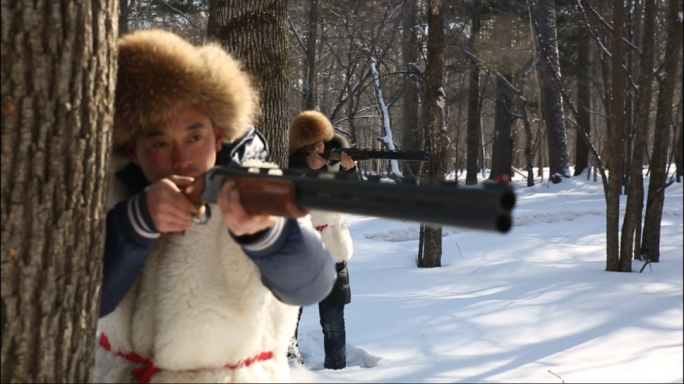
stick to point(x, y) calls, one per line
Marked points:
point(144, 373)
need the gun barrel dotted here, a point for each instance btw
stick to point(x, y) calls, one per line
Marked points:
point(483, 207)
point(367, 154)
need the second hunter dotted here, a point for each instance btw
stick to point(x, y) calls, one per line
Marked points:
point(311, 133)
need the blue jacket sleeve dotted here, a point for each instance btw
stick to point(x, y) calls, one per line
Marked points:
point(130, 236)
point(294, 263)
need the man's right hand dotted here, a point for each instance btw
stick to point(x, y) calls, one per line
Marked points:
point(170, 210)
point(315, 161)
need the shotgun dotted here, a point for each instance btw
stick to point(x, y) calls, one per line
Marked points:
point(292, 193)
point(367, 154)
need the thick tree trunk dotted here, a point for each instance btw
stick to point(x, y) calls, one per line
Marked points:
point(411, 133)
point(635, 196)
point(650, 246)
point(614, 140)
point(58, 77)
point(474, 133)
point(256, 31)
point(311, 91)
point(434, 117)
point(552, 109)
point(583, 101)
point(502, 148)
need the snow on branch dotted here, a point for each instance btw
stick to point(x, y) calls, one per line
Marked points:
point(387, 139)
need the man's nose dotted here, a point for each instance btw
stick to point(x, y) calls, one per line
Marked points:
point(181, 158)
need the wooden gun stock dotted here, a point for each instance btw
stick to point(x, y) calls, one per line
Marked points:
point(269, 196)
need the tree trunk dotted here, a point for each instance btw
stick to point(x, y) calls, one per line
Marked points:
point(635, 196)
point(614, 140)
point(502, 148)
point(552, 109)
point(434, 118)
point(311, 91)
point(256, 31)
point(583, 100)
point(409, 48)
point(650, 246)
point(58, 79)
point(473, 102)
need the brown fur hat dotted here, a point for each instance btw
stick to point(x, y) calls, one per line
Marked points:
point(338, 141)
point(160, 74)
point(309, 127)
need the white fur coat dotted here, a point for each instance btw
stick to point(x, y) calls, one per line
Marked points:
point(197, 305)
point(336, 235)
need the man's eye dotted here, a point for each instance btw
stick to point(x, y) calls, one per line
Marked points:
point(159, 144)
point(196, 138)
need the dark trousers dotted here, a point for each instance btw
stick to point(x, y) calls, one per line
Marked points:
point(334, 336)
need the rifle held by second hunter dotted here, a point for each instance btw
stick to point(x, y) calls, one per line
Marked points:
point(367, 154)
point(292, 194)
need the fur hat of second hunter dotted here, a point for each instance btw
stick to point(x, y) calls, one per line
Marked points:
point(160, 73)
point(309, 127)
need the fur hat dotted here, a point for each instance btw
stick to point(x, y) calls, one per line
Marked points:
point(160, 74)
point(338, 141)
point(309, 127)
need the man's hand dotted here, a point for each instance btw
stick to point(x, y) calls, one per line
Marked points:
point(346, 161)
point(315, 161)
point(239, 221)
point(170, 210)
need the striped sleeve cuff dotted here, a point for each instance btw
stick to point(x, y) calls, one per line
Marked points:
point(265, 243)
point(137, 221)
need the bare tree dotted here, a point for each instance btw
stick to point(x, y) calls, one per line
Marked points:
point(474, 134)
point(256, 31)
point(650, 246)
point(614, 142)
point(635, 196)
point(434, 118)
point(583, 99)
point(58, 79)
point(411, 139)
point(544, 16)
point(311, 89)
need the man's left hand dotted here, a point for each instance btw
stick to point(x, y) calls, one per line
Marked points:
point(346, 161)
point(239, 221)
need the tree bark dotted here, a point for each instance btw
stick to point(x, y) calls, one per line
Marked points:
point(311, 91)
point(635, 196)
point(474, 134)
point(256, 31)
point(552, 109)
point(435, 128)
point(650, 246)
point(58, 76)
point(583, 100)
point(411, 133)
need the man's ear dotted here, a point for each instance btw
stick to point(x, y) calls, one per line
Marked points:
point(218, 137)
point(129, 148)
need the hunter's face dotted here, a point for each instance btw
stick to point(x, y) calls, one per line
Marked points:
point(185, 146)
point(317, 147)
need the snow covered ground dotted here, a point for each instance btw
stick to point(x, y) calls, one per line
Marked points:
point(520, 307)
